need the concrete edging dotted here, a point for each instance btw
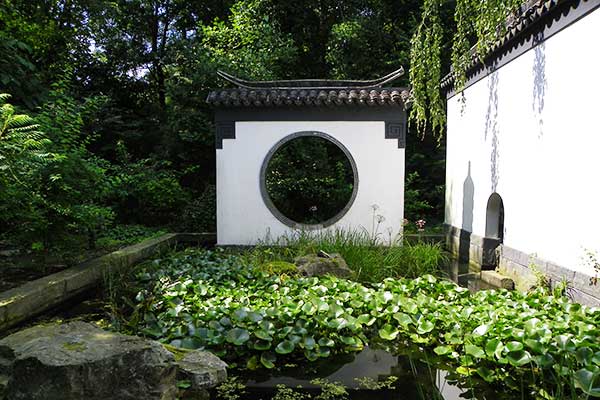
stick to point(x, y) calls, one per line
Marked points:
point(35, 297)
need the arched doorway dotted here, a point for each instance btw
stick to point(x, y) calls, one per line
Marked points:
point(494, 219)
point(494, 231)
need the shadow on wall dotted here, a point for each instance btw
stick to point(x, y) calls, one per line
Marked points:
point(491, 128)
point(539, 82)
point(448, 203)
point(467, 217)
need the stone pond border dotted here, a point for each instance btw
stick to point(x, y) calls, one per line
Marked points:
point(515, 264)
point(34, 297)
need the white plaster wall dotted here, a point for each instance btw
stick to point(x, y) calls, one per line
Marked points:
point(531, 132)
point(242, 216)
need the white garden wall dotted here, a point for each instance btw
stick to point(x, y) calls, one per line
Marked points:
point(530, 131)
point(244, 219)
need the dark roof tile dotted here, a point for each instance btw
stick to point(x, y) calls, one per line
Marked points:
point(281, 97)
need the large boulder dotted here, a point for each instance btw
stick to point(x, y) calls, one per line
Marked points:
point(77, 360)
point(323, 264)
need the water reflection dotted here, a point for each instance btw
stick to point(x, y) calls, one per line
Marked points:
point(466, 275)
point(414, 380)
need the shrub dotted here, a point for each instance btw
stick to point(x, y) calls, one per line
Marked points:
point(200, 215)
point(24, 153)
point(146, 192)
point(122, 235)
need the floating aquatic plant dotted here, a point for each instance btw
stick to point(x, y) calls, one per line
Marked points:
point(205, 299)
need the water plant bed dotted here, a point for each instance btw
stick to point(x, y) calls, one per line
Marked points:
point(532, 345)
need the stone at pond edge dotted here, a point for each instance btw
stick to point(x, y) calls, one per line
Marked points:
point(323, 264)
point(203, 370)
point(494, 278)
point(80, 361)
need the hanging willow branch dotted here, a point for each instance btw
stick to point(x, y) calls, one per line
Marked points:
point(479, 25)
point(425, 70)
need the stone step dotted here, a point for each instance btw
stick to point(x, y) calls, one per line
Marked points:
point(497, 279)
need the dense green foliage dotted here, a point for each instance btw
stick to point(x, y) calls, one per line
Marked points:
point(309, 180)
point(127, 234)
point(535, 343)
point(117, 89)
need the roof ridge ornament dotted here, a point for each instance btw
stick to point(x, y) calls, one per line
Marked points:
point(315, 84)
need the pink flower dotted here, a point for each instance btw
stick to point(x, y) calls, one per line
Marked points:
point(420, 224)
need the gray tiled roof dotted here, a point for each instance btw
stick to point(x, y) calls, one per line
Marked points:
point(241, 97)
point(310, 92)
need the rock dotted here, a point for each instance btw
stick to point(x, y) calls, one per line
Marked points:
point(202, 370)
point(323, 264)
point(80, 361)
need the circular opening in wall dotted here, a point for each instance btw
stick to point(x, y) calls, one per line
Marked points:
point(309, 179)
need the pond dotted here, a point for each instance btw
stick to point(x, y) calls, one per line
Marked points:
point(374, 372)
point(421, 338)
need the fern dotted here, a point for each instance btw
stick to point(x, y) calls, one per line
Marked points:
point(20, 139)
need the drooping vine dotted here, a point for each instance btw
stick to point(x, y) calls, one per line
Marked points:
point(425, 70)
point(479, 25)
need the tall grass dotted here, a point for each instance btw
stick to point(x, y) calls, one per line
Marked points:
point(369, 259)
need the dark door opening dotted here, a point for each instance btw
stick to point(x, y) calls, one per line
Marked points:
point(494, 231)
point(494, 220)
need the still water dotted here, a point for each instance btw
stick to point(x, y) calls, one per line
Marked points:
point(413, 380)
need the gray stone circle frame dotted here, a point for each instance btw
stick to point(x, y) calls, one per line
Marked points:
point(267, 199)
